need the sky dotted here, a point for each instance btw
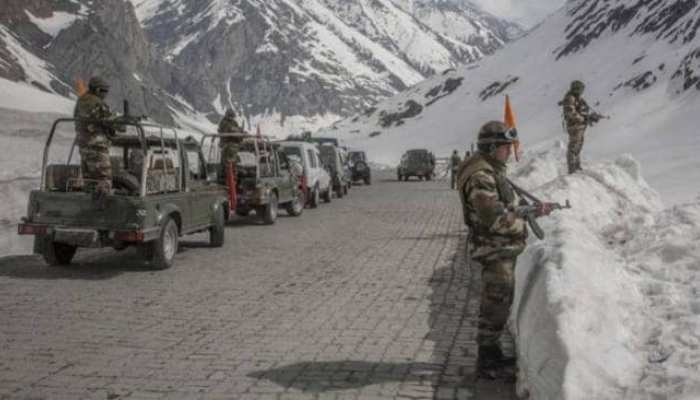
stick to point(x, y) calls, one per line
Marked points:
point(526, 12)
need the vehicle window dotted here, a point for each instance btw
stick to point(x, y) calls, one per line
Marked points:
point(292, 151)
point(312, 158)
point(284, 161)
point(194, 164)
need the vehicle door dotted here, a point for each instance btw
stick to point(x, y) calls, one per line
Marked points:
point(200, 194)
point(287, 183)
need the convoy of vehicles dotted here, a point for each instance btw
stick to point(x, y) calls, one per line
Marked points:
point(417, 162)
point(165, 187)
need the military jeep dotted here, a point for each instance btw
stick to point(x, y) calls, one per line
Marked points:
point(417, 162)
point(261, 180)
point(160, 193)
point(359, 167)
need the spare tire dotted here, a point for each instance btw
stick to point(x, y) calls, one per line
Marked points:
point(126, 182)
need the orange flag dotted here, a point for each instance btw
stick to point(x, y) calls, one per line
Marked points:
point(509, 120)
point(80, 87)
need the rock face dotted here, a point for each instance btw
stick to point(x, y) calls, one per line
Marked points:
point(289, 63)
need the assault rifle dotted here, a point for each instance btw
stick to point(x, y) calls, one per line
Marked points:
point(530, 206)
point(594, 117)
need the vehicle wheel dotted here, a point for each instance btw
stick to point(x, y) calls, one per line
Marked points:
point(368, 181)
point(328, 195)
point(127, 182)
point(269, 211)
point(217, 232)
point(346, 189)
point(164, 248)
point(340, 192)
point(242, 212)
point(296, 206)
point(399, 177)
point(55, 254)
point(428, 177)
point(405, 178)
point(315, 198)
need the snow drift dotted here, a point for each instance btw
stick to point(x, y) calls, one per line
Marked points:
point(606, 305)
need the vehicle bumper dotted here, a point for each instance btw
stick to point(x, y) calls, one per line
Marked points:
point(88, 236)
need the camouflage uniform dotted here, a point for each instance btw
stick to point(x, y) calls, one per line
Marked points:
point(576, 112)
point(229, 146)
point(94, 135)
point(496, 239)
point(454, 167)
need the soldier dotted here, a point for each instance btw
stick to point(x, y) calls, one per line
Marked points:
point(454, 167)
point(229, 145)
point(94, 129)
point(576, 116)
point(496, 237)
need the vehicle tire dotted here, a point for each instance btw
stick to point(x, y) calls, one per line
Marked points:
point(242, 212)
point(405, 178)
point(328, 195)
point(340, 192)
point(346, 189)
point(428, 177)
point(399, 177)
point(315, 198)
point(164, 248)
point(368, 181)
point(270, 210)
point(55, 254)
point(296, 207)
point(217, 232)
point(127, 182)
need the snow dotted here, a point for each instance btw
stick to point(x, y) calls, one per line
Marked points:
point(36, 69)
point(28, 98)
point(656, 125)
point(56, 23)
point(606, 305)
point(525, 12)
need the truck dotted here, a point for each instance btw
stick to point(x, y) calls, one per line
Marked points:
point(160, 193)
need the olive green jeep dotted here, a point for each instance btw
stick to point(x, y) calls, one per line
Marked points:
point(160, 192)
point(417, 162)
point(262, 179)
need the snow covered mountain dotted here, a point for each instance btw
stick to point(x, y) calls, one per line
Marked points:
point(302, 64)
point(640, 60)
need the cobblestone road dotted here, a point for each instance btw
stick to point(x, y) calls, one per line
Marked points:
point(369, 297)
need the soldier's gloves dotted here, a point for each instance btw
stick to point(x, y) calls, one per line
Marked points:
point(544, 209)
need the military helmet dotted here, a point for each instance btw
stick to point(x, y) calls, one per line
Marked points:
point(230, 113)
point(496, 132)
point(97, 83)
point(577, 86)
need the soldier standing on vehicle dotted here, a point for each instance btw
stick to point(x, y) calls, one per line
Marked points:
point(577, 115)
point(454, 167)
point(94, 127)
point(497, 235)
point(229, 145)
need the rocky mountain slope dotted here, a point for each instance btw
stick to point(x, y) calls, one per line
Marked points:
point(639, 58)
point(290, 64)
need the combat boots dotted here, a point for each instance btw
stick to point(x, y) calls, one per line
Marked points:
point(492, 364)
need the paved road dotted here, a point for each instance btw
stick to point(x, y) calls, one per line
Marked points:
point(369, 297)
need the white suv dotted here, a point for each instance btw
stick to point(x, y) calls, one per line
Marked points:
point(316, 179)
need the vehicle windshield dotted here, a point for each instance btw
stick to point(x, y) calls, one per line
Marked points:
point(327, 155)
point(356, 156)
point(419, 155)
point(292, 151)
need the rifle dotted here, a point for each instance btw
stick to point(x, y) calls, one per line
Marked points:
point(595, 117)
point(529, 206)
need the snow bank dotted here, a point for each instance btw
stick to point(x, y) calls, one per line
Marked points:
point(591, 316)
